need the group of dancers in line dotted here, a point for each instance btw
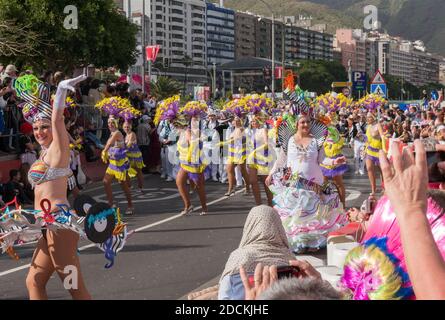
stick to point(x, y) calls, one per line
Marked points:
point(307, 147)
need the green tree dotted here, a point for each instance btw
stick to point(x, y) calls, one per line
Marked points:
point(104, 37)
point(318, 75)
point(395, 85)
point(165, 88)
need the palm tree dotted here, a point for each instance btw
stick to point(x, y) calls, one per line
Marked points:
point(164, 88)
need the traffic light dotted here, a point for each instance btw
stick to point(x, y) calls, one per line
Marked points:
point(166, 62)
point(267, 73)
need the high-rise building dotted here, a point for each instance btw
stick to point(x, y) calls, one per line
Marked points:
point(352, 44)
point(220, 34)
point(137, 19)
point(306, 44)
point(179, 27)
point(254, 39)
point(245, 39)
point(393, 56)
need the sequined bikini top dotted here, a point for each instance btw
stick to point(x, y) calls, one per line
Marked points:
point(40, 172)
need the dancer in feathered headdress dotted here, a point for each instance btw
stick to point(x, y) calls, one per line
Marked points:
point(236, 140)
point(308, 207)
point(187, 120)
point(374, 143)
point(134, 154)
point(333, 149)
point(260, 145)
point(115, 151)
point(48, 175)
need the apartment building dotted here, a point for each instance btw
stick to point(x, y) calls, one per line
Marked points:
point(352, 44)
point(245, 31)
point(220, 34)
point(253, 38)
point(391, 55)
point(308, 44)
point(137, 19)
point(179, 27)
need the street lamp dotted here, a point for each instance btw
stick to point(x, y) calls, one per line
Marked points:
point(273, 47)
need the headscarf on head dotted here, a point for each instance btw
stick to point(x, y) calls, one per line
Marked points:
point(264, 241)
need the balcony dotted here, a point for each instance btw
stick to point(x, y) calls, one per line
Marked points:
point(177, 16)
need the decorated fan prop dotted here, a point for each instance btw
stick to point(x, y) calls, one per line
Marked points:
point(82, 204)
point(97, 222)
point(100, 223)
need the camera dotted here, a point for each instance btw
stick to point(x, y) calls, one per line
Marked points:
point(288, 272)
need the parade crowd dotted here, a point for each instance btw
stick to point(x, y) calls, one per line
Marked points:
point(288, 154)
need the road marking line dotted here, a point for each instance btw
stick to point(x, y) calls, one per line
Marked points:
point(4, 273)
point(355, 194)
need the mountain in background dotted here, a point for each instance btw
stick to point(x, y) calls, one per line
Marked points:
point(409, 19)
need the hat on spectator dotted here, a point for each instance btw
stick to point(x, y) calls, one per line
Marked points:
point(11, 68)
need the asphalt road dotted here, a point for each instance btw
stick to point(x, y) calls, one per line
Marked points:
point(169, 256)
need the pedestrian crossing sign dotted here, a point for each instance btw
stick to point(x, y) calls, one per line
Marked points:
point(380, 89)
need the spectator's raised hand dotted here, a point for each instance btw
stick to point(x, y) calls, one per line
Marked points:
point(406, 180)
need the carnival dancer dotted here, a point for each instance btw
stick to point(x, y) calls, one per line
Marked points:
point(309, 209)
point(374, 134)
point(134, 154)
point(260, 158)
point(115, 151)
point(190, 147)
point(374, 137)
point(237, 141)
point(333, 149)
point(55, 250)
point(260, 146)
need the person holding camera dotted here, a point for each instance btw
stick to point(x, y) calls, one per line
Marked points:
point(264, 241)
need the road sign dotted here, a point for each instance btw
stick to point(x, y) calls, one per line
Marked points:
point(341, 84)
point(359, 80)
point(380, 89)
point(378, 78)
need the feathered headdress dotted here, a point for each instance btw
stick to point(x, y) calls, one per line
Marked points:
point(37, 105)
point(377, 268)
point(257, 104)
point(117, 107)
point(237, 107)
point(299, 107)
point(331, 102)
point(194, 109)
point(372, 102)
point(168, 109)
